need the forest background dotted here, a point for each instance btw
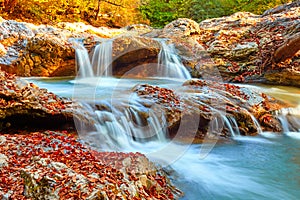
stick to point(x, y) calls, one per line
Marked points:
point(120, 13)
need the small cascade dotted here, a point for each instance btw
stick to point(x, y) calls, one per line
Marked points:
point(82, 60)
point(284, 123)
point(169, 63)
point(99, 61)
point(98, 64)
point(102, 58)
point(254, 120)
point(123, 127)
point(256, 123)
point(232, 125)
point(289, 119)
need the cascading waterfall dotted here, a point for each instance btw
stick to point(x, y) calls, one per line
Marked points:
point(228, 122)
point(83, 63)
point(234, 125)
point(169, 63)
point(289, 119)
point(228, 172)
point(102, 58)
point(98, 64)
point(123, 127)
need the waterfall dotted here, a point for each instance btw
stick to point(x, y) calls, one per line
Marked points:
point(235, 126)
point(232, 125)
point(102, 58)
point(99, 64)
point(169, 63)
point(124, 126)
point(82, 60)
point(289, 119)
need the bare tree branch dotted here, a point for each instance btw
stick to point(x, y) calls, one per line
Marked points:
point(112, 3)
point(106, 1)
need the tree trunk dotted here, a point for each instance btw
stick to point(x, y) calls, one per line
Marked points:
point(98, 10)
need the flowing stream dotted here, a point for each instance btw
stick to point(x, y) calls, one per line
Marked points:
point(263, 167)
point(266, 166)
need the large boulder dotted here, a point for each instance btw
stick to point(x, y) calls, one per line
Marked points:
point(181, 27)
point(135, 56)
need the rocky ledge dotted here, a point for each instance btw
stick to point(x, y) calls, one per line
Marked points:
point(243, 47)
point(24, 105)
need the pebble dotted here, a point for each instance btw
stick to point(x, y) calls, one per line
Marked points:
point(3, 160)
point(2, 139)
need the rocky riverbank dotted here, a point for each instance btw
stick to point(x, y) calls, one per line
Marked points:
point(36, 163)
point(39, 159)
point(243, 47)
point(55, 165)
point(24, 105)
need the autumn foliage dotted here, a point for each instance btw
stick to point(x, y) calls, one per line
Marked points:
point(119, 13)
point(81, 170)
point(116, 13)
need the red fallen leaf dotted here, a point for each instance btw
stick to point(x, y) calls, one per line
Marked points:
point(47, 140)
point(93, 180)
point(263, 95)
point(74, 178)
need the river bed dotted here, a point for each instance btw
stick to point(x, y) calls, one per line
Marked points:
point(266, 166)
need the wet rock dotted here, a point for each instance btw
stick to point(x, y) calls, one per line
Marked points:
point(135, 56)
point(289, 76)
point(208, 110)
